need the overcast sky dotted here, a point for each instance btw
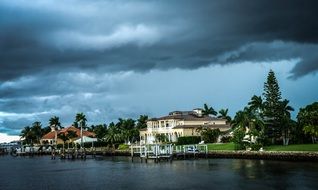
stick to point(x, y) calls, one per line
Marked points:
point(112, 59)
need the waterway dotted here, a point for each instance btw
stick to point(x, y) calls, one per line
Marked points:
point(120, 173)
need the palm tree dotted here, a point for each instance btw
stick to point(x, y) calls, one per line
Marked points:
point(208, 110)
point(70, 135)
point(247, 121)
point(241, 119)
point(81, 119)
point(27, 134)
point(54, 123)
point(37, 130)
point(142, 122)
point(256, 104)
point(113, 135)
point(224, 115)
point(64, 138)
point(285, 120)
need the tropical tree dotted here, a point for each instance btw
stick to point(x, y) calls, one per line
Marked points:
point(311, 130)
point(37, 131)
point(28, 135)
point(100, 130)
point(223, 113)
point(256, 104)
point(70, 136)
point(161, 138)
point(251, 125)
point(55, 124)
point(142, 122)
point(127, 129)
point(208, 110)
point(64, 138)
point(308, 119)
point(113, 135)
point(81, 119)
point(241, 119)
point(45, 130)
point(209, 135)
point(285, 120)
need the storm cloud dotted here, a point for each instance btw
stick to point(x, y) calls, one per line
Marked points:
point(43, 36)
point(63, 57)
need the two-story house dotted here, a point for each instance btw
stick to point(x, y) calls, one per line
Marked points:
point(179, 124)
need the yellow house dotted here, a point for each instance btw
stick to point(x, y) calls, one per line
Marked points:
point(179, 124)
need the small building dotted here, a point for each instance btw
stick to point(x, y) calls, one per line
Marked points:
point(50, 137)
point(179, 124)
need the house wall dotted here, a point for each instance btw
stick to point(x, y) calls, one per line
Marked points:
point(166, 127)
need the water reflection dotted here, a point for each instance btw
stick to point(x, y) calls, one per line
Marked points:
point(121, 173)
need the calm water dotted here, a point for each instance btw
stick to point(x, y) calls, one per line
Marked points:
point(120, 173)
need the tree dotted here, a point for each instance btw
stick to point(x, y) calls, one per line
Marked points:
point(241, 119)
point(28, 135)
point(256, 105)
point(208, 110)
point(81, 119)
point(285, 120)
point(37, 131)
point(99, 130)
point(224, 115)
point(252, 126)
point(308, 119)
point(237, 139)
point(161, 138)
point(208, 135)
point(45, 130)
point(55, 122)
point(64, 138)
point(70, 136)
point(113, 135)
point(142, 122)
point(272, 101)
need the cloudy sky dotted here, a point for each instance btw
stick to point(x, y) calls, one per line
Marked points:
point(112, 59)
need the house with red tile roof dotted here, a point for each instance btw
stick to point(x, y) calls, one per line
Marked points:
point(53, 135)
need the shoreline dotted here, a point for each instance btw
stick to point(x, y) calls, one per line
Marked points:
point(225, 154)
point(256, 155)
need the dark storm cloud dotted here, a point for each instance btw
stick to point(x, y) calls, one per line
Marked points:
point(60, 58)
point(108, 36)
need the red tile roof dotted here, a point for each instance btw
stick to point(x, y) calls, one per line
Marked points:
point(51, 135)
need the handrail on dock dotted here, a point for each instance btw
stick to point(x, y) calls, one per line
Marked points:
point(158, 151)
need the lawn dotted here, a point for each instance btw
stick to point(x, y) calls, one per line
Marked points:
point(224, 146)
point(294, 147)
point(297, 147)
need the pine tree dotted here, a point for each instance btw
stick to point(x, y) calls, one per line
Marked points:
point(272, 101)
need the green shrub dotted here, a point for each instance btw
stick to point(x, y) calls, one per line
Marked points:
point(210, 135)
point(226, 139)
point(255, 146)
point(123, 147)
point(238, 139)
point(189, 140)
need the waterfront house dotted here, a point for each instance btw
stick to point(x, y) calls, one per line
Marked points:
point(179, 124)
point(52, 136)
